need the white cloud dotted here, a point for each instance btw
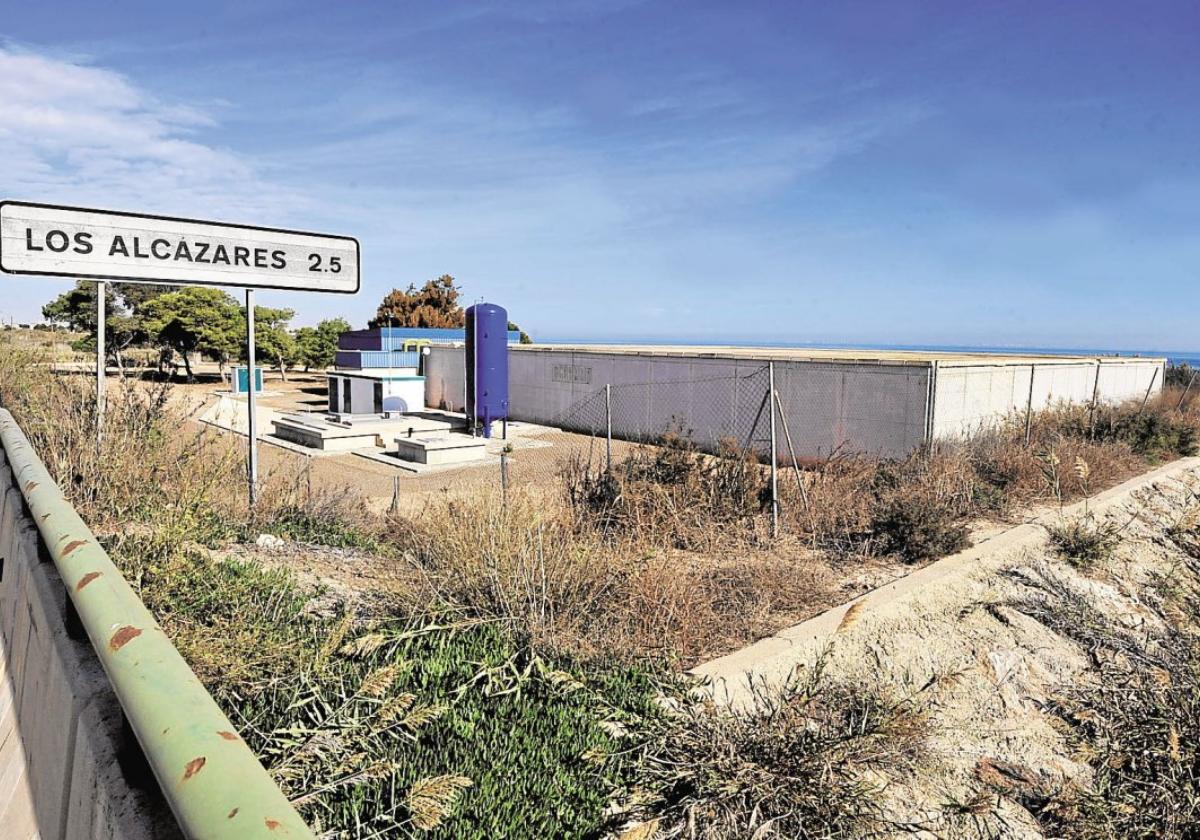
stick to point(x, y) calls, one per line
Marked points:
point(77, 134)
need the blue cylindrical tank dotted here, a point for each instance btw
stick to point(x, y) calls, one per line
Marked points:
point(487, 364)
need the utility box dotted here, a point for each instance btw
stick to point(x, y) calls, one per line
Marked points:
point(240, 380)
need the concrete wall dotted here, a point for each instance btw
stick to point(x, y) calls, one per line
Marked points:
point(879, 407)
point(970, 397)
point(61, 741)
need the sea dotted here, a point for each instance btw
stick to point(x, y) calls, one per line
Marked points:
point(1176, 357)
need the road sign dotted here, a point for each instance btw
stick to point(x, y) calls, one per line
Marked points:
point(76, 242)
point(55, 241)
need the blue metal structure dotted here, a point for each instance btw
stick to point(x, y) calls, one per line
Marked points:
point(368, 359)
point(487, 365)
point(390, 339)
point(396, 347)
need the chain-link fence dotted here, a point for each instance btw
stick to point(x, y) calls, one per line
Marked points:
point(600, 429)
point(573, 426)
point(614, 428)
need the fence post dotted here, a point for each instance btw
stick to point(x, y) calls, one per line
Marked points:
point(395, 494)
point(608, 428)
point(1092, 409)
point(1183, 396)
point(774, 455)
point(1029, 405)
point(504, 478)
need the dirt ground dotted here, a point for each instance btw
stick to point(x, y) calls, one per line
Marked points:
point(539, 453)
point(950, 637)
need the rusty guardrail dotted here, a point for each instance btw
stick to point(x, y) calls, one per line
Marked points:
point(212, 781)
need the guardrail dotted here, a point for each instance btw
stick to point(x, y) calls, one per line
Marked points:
point(212, 781)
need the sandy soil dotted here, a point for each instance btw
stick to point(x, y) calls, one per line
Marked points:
point(950, 637)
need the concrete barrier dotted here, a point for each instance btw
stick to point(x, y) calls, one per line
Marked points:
point(63, 746)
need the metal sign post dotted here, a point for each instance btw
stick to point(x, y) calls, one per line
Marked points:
point(101, 289)
point(49, 240)
point(252, 427)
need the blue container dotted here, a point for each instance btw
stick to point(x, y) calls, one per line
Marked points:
point(487, 365)
point(242, 380)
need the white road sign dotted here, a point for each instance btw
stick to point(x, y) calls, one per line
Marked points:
point(45, 239)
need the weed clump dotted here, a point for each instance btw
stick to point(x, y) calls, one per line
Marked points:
point(917, 528)
point(671, 493)
point(431, 721)
point(803, 762)
point(1135, 724)
point(1083, 541)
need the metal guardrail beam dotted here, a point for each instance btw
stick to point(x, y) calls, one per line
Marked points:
point(213, 782)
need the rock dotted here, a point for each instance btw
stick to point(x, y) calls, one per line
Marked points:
point(269, 541)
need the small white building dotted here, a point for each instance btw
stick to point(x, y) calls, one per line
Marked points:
point(376, 391)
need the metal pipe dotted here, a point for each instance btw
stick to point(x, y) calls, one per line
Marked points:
point(933, 395)
point(1183, 396)
point(252, 426)
point(787, 436)
point(101, 329)
point(774, 455)
point(929, 408)
point(1149, 388)
point(211, 780)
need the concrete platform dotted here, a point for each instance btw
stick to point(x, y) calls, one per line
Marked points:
point(349, 433)
point(315, 434)
point(440, 450)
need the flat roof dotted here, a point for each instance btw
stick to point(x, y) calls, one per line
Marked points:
point(816, 354)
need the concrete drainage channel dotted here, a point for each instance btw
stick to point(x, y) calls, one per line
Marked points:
point(105, 732)
point(768, 663)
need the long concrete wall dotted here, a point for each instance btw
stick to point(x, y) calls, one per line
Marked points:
point(886, 407)
point(62, 747)
point(853, 406)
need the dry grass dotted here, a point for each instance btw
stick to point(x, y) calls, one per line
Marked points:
point(671, 495)
point(1136, 723)
point(917, 508)
point(517, 561)
point(808, 761)
point(525, 561)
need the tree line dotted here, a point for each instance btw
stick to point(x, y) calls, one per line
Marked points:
point(183, 323)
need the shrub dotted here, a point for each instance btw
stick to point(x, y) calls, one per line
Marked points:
point(807, 761)
point(1178, 376)
point(1084, 542)
point(356, 719)
point(671, 494)
point(917, 527)
point(519, 562)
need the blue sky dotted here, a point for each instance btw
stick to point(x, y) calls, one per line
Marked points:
point(1008, 173)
